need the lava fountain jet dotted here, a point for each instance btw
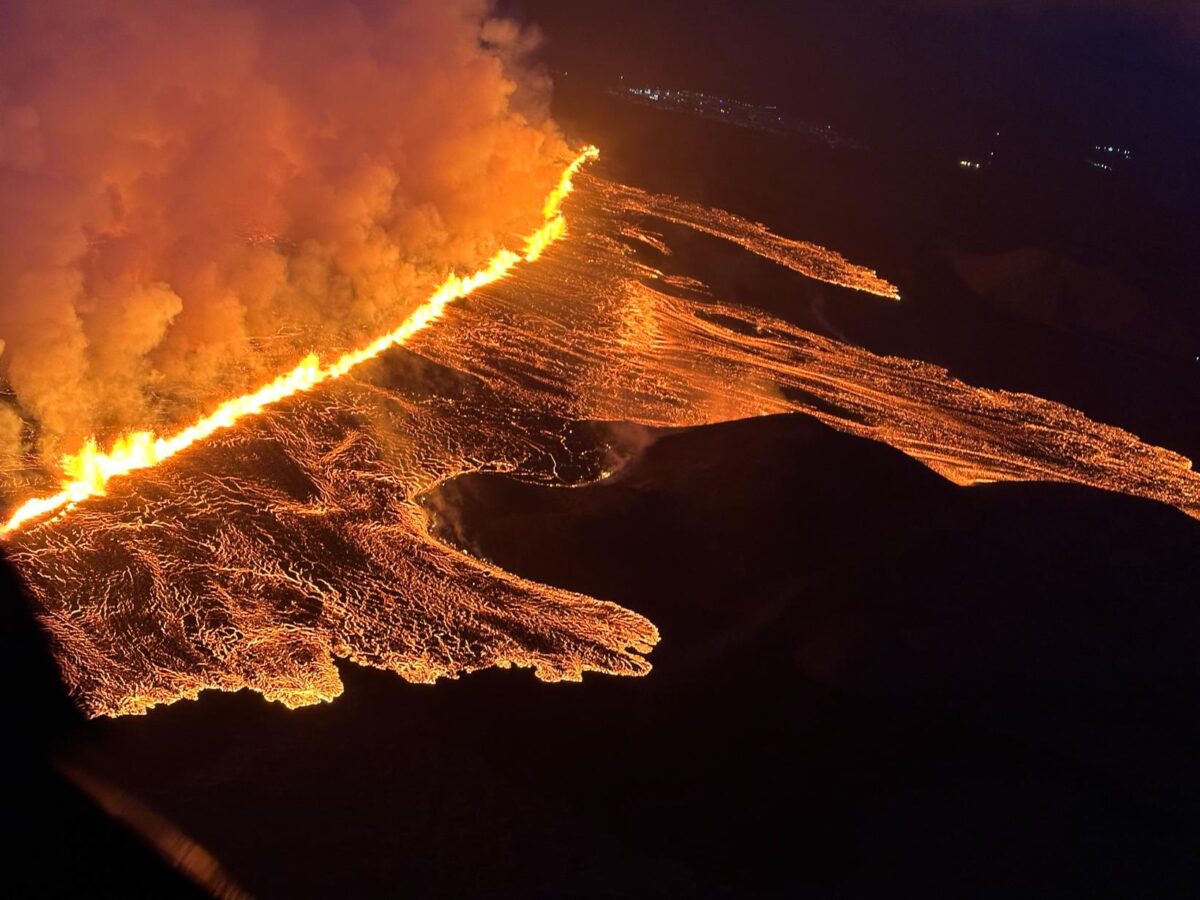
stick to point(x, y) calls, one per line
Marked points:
point(89, 471)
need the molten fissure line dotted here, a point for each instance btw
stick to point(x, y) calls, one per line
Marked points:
point(88, 472)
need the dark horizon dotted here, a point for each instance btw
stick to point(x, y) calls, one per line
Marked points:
point(924, 77)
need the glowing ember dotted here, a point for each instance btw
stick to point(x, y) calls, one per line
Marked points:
point(89, 471)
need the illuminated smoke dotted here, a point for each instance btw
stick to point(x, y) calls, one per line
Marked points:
point(192, 195)
point(89, 471)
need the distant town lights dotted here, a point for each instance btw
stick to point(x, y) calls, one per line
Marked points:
point(731, 111)
point(1115, 151)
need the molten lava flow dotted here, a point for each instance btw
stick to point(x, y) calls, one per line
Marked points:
point(318, 532)
point(89, 471)
point(804, 257)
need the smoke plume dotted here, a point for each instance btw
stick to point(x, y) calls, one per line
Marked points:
point(192, 193)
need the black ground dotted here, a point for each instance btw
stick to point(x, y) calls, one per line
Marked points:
point(869, 681)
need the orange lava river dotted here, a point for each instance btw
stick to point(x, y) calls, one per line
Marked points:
point(291, 532)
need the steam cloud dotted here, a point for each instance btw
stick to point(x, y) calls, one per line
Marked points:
point(192, 192)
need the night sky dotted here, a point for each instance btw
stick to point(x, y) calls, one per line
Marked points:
point(1062, 76)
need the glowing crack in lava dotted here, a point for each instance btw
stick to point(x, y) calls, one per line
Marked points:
point(300, 537)
point(89, 471)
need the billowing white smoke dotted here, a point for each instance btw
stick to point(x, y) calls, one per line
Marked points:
point(192, 192)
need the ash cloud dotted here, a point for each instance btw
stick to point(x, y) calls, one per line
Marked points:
point(192, 193)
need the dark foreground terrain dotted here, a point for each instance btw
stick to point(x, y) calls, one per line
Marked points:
point(869, 682)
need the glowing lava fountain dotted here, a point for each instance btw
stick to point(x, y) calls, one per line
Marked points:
point(88, 472)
